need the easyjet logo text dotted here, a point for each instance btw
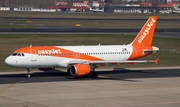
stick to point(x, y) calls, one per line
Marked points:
point(52, 51)
point(146, 31)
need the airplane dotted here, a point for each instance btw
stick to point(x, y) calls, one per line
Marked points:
point(95, 10)
point(83, 60)
point(177, 10)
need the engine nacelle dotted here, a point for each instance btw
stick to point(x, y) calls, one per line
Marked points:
point(79, 70)
point(45, 69)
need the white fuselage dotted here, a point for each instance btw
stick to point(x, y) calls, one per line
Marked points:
point(107, 53)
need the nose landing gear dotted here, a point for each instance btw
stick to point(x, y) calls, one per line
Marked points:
point(28, 75)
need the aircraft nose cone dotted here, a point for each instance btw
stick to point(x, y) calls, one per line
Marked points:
point(8, 61)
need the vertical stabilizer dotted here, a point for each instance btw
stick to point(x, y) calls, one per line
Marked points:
point(146, 34)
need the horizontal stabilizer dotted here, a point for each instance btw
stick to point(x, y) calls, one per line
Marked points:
point(156, 61)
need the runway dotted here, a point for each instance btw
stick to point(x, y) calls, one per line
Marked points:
point(113, 88)
point(76, 29)
point(170, 33)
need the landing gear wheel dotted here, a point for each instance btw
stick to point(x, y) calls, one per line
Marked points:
point(93, 74)
point(28, 75)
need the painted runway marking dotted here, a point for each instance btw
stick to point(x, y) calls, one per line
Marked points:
point(10, 86)
point(6, 88)
point(103, 77)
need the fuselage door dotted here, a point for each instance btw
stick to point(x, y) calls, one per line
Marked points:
point(134, 52)
point(33, 55)
point(76, 55)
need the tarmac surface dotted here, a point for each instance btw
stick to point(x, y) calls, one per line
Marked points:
point(152, 87)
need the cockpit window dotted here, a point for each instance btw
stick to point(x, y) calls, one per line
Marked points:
point(18, 54)
point(22, 54)
point(14, 54)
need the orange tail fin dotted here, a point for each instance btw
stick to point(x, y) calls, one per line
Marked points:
point(146, 34)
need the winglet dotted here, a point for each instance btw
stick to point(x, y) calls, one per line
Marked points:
point(156, 61)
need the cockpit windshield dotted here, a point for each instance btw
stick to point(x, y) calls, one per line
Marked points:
point(14, 54)
point(18, 54)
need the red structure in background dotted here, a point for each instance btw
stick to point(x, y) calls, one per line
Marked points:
point(64, 6)
point(169, 4)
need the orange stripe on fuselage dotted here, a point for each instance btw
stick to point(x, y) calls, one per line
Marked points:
point(57, 52)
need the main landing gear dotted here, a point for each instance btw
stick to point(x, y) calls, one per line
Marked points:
point(28, 75)
point(93, 74)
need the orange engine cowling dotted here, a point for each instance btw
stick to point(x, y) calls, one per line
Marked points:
point(79, 70)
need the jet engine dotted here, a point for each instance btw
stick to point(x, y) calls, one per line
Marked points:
point(79, 70)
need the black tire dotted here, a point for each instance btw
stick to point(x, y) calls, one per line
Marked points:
point(28, 76)
point(94, 75)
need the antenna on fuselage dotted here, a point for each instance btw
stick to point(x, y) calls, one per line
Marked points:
point(30, 45)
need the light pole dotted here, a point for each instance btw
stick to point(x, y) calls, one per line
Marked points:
point(10, 2)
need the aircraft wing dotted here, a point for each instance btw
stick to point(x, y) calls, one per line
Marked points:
point(112, 62)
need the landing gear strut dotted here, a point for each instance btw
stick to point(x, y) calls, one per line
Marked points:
point(93, 74)
point(28, 75)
